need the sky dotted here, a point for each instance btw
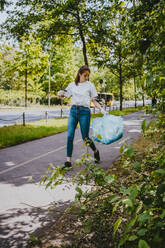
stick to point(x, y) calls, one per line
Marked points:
point(3, 16)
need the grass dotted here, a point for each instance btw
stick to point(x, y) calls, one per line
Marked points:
point(17, 134)
point(120, 113)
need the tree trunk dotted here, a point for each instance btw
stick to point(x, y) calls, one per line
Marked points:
point(121, 94)
point(121, 84)
point(49, 81)
point(134, 79)
point(143, 88)
point(143, 100)
point(26, 85)
point(83, 40)
point(85, 52)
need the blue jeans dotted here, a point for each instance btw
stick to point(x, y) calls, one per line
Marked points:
point(82, 115)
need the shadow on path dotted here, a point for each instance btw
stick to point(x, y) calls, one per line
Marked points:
point(17, 224)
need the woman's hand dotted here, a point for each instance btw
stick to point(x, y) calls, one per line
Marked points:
point(103, 111)
point(61, 93)
point(97, 105)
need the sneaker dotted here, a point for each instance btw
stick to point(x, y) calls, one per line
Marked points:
point(97, 156)
point(67, 164)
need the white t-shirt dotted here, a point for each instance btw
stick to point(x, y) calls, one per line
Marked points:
point(81, 93)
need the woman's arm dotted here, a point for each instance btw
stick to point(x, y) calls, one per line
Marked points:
point(97, 105)
point(66, 92)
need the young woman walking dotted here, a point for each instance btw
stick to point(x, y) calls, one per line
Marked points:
point(82, 92)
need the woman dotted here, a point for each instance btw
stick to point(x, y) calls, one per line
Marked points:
point(82, 92)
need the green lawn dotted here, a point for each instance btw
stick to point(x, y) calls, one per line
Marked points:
point(17, 134)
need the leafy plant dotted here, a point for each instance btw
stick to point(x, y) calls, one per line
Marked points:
point(34, 240)
point(123, 206)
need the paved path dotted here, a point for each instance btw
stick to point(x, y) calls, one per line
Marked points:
point(24, 203)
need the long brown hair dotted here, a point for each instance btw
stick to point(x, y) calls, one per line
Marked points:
point(81, 71)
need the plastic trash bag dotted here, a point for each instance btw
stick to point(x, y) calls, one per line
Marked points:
point(107, 129)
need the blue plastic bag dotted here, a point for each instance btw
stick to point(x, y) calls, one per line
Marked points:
point(107, 129)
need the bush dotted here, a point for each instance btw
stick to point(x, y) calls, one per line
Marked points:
point(125, 207)
point(53, 101)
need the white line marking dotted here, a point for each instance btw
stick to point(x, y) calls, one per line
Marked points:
point(10, 163)
point(38, 157)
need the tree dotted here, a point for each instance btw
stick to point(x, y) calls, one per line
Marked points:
point(51, 18)
point(110, 44)
point(63, 64)
point(9, 77)
point(31, 63)
point(146, 25)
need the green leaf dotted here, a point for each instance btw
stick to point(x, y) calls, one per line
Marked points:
point(143, 217)
point(161, 189)
point(139, 207)
point(159, 224)
point(79, 194)
point(159, 172)
point(142, 232)
point(79, 190)
point(123, 240)
point(127, 202)
point(116, 225)
point(109, 179)
point(163, 214)
point(143, 244)
point(122, 3)
point(122, 149)
point(144, 126)
point(115, 207)
point(88, 226)
point(98, 171)
point(98, 136)
point(137, 166)
point(133, 192)
point(132, 238)
point(48, 184)
point(114, 198)
point(130, 225)
point(129, 151)
point(78, 162)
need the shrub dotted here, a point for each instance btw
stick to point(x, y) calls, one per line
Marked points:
point(124, 206)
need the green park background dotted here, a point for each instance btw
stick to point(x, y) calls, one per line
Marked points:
point(43, 44)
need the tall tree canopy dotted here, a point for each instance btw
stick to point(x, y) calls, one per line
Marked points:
point(3, 3)
point(146, 24)
point(109, 41)
point(50, 18)
point(127, 37)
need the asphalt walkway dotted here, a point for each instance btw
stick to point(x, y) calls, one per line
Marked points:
point(24, 203)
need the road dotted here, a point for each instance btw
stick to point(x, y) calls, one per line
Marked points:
point(24, 203)
point(16, 116)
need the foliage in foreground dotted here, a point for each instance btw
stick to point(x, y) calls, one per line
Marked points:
point(125, 207)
